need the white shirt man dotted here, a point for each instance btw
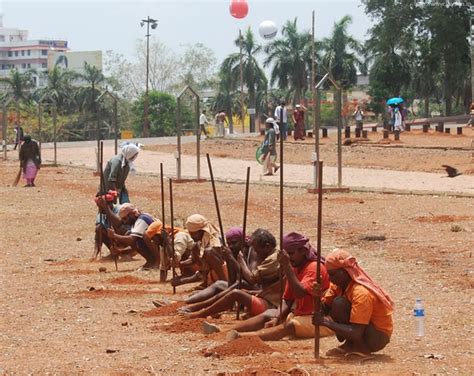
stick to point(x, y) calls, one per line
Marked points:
point(203, 122)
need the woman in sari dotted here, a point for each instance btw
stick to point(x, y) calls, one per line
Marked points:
point(30, 160)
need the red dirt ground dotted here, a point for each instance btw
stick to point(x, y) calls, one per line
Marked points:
point(52, 324)
point(240, 347)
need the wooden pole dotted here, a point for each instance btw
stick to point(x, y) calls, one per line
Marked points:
point(4, 130)
point(172, 232)
point(221, 229)
point(317, 295)
point(339, 136)
point(316, 125)
point(242, 111)
point(55, 115)
point(115, 125)
point(163, 273)
point(244, 228)
point(162, 195)
point(281, 205)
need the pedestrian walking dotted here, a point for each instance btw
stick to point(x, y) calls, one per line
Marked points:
point(269, 148)
point(202, 123)
point(30, 160)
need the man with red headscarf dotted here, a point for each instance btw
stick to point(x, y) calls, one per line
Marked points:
point(298, 262)
point(360, 311)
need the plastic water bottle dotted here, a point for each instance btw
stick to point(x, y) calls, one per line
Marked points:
point(419, 315)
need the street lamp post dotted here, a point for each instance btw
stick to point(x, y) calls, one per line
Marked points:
point(153, 23)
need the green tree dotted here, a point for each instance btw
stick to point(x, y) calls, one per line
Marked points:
point(291, 59)
point(340, 56)
point(162, 115)
point(420, 47)
point(253, 75)
point(92, 78)
point(18, 87)
point(447, 23)
point(196, 66)
point(58, 88)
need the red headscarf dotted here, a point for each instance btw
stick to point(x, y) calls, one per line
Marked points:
point(236, 233)
point(339, 259)
point(293, 240)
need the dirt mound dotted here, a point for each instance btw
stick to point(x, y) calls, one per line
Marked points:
point(191, 325)
point(167, 310)
point(240, 347)
point(130, 280)
point(442, 218)
point(96, 294)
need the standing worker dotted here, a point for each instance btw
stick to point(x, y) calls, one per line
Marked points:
point(284, 120)
point(298, 118)
point(117, 169)
point(19, 136)
point(202, 123)
point(220, 121)
point(269, 148)
point(358, 115)
point(30, 160)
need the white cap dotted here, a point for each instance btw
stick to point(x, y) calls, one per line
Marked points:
point(271, 120)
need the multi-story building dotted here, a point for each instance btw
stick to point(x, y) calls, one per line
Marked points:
point(16, 51)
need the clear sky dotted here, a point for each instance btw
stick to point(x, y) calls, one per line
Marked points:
point(115, 25)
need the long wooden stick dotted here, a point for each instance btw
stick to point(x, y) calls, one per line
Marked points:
point(162, 196)
point(244, 229)
point(317, 295)
point(281, 205)
point(221, 229)
point(172, 232)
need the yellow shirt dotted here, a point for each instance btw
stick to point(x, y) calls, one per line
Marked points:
point(366, 308)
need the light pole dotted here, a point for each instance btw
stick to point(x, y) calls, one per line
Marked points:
point(153, 23)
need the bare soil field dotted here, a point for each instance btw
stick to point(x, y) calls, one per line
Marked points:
point(416, 151)
point(60, 315)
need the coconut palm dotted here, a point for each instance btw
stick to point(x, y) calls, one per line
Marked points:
point(18, 87)
point(58, 87)
point(340, 54)
point(291, 59)
point(92, 78)
point(253, 75)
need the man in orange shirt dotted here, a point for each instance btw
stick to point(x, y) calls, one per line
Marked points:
point(359, 311)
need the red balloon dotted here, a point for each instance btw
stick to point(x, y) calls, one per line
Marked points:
point(239, 8)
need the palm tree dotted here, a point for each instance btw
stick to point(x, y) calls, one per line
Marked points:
point(58, 87)
point(18, 86)
point(291, 56)
point(339, 56)
point(253, 76)
point(88, 93)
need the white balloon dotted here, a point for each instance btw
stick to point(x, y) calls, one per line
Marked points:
point(267, 29)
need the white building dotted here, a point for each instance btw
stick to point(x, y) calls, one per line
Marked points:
point(16, 51)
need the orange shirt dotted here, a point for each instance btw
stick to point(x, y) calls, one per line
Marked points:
point(366, 307)
point(307, 276)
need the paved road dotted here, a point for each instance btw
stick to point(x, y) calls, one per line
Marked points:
point(226, 169)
